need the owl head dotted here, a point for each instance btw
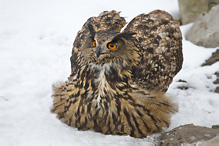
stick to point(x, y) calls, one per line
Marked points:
point(103, 47)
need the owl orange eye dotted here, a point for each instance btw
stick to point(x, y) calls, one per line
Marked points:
point(94, 43)
point(111, 46)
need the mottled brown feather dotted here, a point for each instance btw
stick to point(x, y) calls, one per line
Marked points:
point(160, 44)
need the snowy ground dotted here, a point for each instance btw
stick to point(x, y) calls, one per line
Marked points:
point(35, 46)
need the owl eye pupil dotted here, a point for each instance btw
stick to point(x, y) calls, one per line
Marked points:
point(111, 46)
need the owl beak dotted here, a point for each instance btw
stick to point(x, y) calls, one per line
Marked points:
point(98, 52)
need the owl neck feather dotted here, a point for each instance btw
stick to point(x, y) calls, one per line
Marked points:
point(105, 81)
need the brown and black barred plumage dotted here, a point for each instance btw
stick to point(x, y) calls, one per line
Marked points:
point(119, 79)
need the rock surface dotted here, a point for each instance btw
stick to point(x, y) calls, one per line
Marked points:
point(205, 31)
point(217, 82)
point(212, 142)
point(213, 59)
point(187, 134)
point(191, 9)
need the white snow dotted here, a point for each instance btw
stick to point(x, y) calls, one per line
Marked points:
point(35, 46)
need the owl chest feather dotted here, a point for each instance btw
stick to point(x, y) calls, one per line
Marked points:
point(102, 82)
point(105, 102)
point(102, 85)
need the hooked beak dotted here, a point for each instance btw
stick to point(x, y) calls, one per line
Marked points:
point(98, 52)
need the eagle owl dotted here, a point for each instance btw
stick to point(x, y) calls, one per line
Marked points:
point(119, 78)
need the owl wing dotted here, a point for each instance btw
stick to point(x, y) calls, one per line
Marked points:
point(159, 40)
point(106, 21)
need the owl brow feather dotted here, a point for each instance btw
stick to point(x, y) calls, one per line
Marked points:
point(126, 35)
point(91, 29)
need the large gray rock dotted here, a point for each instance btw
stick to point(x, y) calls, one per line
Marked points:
point(205, 30)
point(212, 142)
point(189, 134)
point(191, 9)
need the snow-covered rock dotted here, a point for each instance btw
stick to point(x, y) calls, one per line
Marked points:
point(205, 30)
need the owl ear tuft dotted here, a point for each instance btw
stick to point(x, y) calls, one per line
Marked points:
point(126, 35)
point(91, 29)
